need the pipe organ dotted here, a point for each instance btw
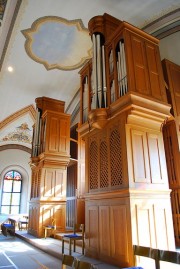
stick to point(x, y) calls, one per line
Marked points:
point(123, 109)
point(49, 161)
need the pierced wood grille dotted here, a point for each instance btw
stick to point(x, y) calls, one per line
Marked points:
point(35, 187)
point(175, 198)
point(105, 161)
point(103, 165)
point(115, 158)
point(93, 166)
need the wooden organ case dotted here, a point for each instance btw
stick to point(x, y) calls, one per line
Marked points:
point(123, 109)
point(171, 133)
point(49, 161)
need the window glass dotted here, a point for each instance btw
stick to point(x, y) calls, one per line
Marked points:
point(14, 209)
point(11, 193)
point(15, 198)
point(17, 186)
point(6, 200)
point(7, 185)
point(5, 210)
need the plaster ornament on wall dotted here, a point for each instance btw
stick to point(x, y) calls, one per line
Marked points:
point(58, 43)
point(21, 134)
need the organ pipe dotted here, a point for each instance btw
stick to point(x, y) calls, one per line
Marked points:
point(99, 74)
point(121, 68)
point(104, 77)
point(36, 134)
point(112, 92)
point(85, 100)
point(94, 87)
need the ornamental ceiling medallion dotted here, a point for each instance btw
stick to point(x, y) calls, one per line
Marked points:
point(58, 43)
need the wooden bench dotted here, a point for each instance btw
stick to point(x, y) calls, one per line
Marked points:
point(157, 255)
point(8, 226)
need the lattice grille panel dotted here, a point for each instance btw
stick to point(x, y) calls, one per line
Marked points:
point(116, 159)
point(103, 165)
point(93, 166)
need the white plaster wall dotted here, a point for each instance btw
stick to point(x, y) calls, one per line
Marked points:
point(18, 160)
point(170, 48)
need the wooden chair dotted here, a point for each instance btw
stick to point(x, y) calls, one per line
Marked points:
point(83, 265)
point(51, 227)
point(169, 256)
point(149, 253)
point(8, 227)
point(67, 260)
point(73, 237)
point(158, 255)
point(23, 223)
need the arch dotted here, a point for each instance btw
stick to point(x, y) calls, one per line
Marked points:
point(15, 146)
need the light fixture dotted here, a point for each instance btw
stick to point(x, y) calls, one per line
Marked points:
point(10, 69)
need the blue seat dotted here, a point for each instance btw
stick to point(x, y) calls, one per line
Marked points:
point(8, 227)
point(73, 237)
point(133, 267)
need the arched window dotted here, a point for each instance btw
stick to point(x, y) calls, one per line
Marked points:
point(11, 193)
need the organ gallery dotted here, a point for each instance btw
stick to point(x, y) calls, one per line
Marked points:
point(126, 122)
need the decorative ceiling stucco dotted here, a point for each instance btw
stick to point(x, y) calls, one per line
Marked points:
point(21, 133)
point(17, 128)
point(58, 43)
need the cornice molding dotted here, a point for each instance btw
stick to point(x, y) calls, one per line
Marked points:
point(29, 109)
point(164, 25)
point(10, 32)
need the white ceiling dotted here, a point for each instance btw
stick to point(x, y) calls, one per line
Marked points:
point(30, 78)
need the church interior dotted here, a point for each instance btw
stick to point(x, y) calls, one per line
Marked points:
point(90, 121)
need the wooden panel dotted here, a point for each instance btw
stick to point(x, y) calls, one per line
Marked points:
point(140, 67)
point(104, 230)
point(59, 183)
point(59, 215)
point(140, 156)
point(172, 77)
point(54, 134)
point(155, 158)
point(154, 72)
point(175, 79)
point(145, 227)
point(48, 183)
point(161, 227)
point(64, 136)
point(92, 228)
point(80, 211)
point(119, 232)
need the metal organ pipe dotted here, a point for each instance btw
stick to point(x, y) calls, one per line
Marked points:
point(112, 92)
point(99, 71)
point(104, 77)
point(121, 67)
point(36, 134)
point(85, 99)
point(99, 74)
point(94, 84)
point(39, 136)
